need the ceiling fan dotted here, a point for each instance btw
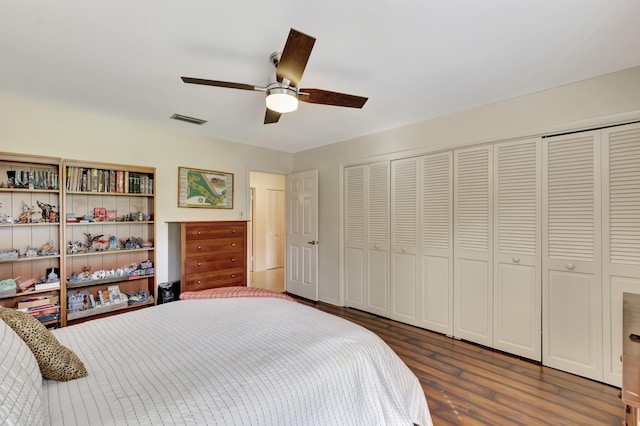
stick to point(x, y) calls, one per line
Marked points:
point(283, 94)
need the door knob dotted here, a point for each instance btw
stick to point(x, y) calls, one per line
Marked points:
point(313, 242)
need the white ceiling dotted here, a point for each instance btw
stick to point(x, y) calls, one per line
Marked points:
point(413, 59)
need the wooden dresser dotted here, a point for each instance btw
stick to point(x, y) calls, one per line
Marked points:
point(205, 255)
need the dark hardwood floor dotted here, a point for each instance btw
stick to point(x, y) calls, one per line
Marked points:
point(467, 384)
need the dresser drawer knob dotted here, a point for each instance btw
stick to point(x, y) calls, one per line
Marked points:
point(199, 247)
point(233, 275)
point(233, 244)
point(233, 231)
point(233, 259)
point(199, 282)
point(199, 233)
point(199, 263)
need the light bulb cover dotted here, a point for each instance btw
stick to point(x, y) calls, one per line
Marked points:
point(282, 99)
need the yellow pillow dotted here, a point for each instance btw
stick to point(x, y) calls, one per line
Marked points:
point(56, 362)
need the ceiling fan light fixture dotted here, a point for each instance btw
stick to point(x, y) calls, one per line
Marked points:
point(282, 99)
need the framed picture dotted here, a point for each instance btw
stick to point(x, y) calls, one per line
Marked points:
point(205, 188)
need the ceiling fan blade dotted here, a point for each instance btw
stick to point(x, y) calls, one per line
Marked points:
point(325, 97)
point(271, 116)
point(219, 83)
point(294, 57)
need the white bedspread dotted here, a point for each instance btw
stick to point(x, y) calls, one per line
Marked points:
point(244, 361)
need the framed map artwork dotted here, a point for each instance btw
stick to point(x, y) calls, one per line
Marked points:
point(205, 188)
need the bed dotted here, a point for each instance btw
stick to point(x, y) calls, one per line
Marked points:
point(229, 361)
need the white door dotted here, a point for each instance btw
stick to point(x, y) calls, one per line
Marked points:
point(621, 236)
point(517, 286)
point(302, 234)
point(473, 245)
point(571, 241)
point(435, 288)
point(404, 240)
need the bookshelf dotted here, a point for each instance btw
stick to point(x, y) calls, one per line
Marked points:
point(30, 231)
point(109, 235)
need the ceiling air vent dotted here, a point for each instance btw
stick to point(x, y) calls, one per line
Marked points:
point(188, 119)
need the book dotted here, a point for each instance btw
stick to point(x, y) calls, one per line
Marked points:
point(34, 302)
point(93, 180)
point(101, 187)
point(43, 310)
point(51, 285)
point(112, 181)
point(84, 180)
point(120, 181)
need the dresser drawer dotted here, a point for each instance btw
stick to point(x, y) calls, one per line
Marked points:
point(197, 231)
point(212, 262)
point(224, 278)
point(220, 245)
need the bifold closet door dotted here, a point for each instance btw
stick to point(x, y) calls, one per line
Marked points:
point(517, 259)
point(378, 263)
point(354, 229)
point(572, 279)
point(404, 240)
point(367, 260)
point(621, 236)
point(473, 244)
point(435, 289)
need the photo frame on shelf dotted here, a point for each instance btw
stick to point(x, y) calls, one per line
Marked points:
point(205, 188)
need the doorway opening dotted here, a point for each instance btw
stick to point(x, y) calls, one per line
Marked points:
point(267, 230)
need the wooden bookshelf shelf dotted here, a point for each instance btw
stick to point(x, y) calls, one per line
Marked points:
point(114, 280)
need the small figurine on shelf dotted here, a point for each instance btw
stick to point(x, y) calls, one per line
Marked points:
point(47, 249)
point(75, 247)
point(49, 213)
point(131, 243)
point(140, 297)
point(27, 214)
point(91, 239)
point(11, 175)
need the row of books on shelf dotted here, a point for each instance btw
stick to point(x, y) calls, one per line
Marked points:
point(112, 181)
point(32, 179)
point(43, 308)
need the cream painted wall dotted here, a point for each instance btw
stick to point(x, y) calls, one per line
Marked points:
point(262, 182)
point(609, 99)
point(33, 128)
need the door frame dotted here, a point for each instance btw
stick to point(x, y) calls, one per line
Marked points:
point(260, 169)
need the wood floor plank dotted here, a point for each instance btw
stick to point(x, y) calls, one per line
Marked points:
point(468, 384)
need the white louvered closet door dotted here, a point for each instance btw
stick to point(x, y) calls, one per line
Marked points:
point(473, 244)
point(378, 275)
point(517, 248)
point(435, 291)
point(621, 236)
point(404, 240)
point(571, 284)
point(354, 226)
